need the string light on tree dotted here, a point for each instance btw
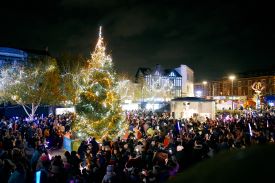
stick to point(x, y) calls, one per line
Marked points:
point(98, 108)
point(29, 86)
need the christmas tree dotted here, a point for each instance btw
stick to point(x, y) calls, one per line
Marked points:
point(98, 108)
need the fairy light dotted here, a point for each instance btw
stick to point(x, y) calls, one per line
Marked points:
point(28, 85)
point(250, 130)
point(179, 128)
point(98, 102)
point(51, 68)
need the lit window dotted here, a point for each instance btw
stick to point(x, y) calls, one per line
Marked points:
point(172, 74)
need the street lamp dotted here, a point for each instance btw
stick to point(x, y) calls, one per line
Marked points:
point(232, 77)
point(204, 91)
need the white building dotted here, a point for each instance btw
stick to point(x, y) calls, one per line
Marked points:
point(190, 107)
point(187, 78)
point(178, 80)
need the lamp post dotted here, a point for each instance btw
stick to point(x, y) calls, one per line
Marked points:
point(204, 91)
point(213, 90)
point(232, 77)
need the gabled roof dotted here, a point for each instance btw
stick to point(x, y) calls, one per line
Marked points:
point(158, 69)
point(167, 72)
point(144, 71)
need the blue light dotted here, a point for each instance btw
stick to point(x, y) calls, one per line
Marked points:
point(37, 176)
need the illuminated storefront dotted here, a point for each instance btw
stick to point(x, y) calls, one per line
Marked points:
point(188, 107)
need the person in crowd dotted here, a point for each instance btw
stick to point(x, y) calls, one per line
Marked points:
point(155, 148)
point(110, 175)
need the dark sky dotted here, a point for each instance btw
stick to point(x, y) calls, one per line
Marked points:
point(214, 38)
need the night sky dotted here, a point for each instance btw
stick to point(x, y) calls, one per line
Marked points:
point(214, 38)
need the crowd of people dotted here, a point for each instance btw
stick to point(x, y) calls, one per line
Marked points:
point(23, 143)
point(154, 148)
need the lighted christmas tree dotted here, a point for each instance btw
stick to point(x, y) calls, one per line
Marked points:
point(98, 108)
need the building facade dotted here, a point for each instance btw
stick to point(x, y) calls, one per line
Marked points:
point(187, 85)
point(241, 85)
point(179, 81)
point(17, 57)
point(189, 107)
point(11, 56)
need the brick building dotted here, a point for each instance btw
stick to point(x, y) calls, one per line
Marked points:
point(242, 84)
